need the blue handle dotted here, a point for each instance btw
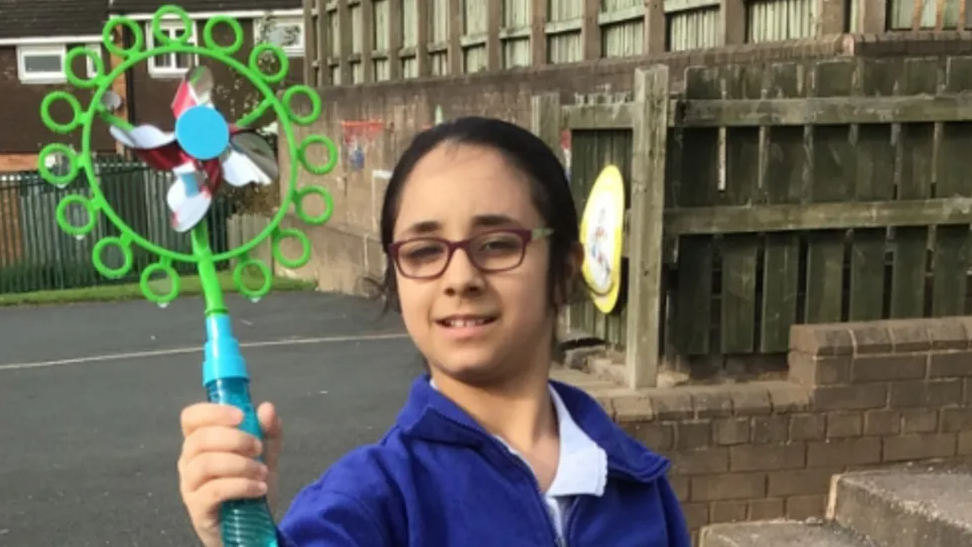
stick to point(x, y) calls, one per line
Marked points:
point(247, 522)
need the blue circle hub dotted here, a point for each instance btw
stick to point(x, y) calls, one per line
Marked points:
point(202, 132)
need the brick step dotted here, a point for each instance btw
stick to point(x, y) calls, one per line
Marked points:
point(780, 533)
point(906, 508)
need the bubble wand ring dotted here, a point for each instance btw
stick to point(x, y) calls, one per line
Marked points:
point(202, 152)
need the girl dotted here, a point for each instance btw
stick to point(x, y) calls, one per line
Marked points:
point(482, 239)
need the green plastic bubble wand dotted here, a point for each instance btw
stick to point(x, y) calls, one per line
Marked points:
point(203, 151)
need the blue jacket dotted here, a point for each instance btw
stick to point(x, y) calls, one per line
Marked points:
point(437, 479)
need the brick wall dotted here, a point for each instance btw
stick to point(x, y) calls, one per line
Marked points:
point(858, 396)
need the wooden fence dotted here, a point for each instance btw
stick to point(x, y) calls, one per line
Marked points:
point(766, 196)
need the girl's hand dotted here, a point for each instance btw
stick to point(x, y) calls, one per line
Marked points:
point(217, 463)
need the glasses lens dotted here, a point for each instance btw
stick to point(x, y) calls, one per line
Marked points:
point(422, 257)
point(497, 251)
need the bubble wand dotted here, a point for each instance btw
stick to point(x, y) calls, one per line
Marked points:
point(202, 152)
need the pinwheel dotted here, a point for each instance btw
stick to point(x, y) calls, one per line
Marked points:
point(203, 150)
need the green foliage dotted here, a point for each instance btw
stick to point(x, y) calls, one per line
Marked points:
point(239, 97)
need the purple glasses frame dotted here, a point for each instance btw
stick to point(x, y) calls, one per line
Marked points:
point(527, 236)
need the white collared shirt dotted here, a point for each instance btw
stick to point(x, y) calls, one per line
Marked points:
point(581, 470)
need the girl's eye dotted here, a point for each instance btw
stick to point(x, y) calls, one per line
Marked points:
point(500, 244)
point(422, 252)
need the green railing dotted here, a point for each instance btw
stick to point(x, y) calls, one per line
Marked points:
point(36, 255)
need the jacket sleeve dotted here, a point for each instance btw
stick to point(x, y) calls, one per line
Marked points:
point(326, 518)
point(678, 531)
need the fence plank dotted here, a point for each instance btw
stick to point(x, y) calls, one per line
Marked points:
point(916, 150)
point(739, 251)
point(874, 181)
point(953, 244)
point(833, 170)
point(699, 186)
point(786, 162)
point(647, 205)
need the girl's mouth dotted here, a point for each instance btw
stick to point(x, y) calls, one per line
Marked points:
point(465, 321)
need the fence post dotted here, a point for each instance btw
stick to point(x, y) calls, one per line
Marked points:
point(650, 141)
point(545, 122)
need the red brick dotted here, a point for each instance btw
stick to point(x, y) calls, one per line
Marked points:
point(770, 429)
point(917, 447)
point(805, 507)
point(844, 424)
point(700, 462)
point(919, 420)
point(909, 335)
point(965, 443)
point(766, 509)
point(696, 514)
point(732, 486)
point(693, 434)
point(711, 401)
point(748, 457)
point(929, 394)
point(947, 333)
point(833, 339)
point(882, 422)
point(800, 482)
point(729, 431)
point(727, 511)
point(883, 368)
point(872, 338)
point(950, 364)
point(673, 404)
point(807, 427)
point(855, 397)
point(841, 452)
point(825, 370)
point(656, 436)
point(956, 419)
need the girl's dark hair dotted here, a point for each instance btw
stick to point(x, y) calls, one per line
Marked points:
point(545, 174)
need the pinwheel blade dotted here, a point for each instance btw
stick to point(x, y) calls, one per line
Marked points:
point(111, 101)
point(195, 89)
point(142, 137)
point(188, 198)
point(250, 160)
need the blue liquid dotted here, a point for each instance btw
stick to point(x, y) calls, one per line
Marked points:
point(245, 523)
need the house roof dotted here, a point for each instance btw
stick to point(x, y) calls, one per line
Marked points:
point(51, 18)
point(149, 6)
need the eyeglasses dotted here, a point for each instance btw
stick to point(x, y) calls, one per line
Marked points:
point(490, 252)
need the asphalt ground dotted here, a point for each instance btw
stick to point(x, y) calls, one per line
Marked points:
point(90, 397)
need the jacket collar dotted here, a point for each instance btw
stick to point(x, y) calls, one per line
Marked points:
point(432, 417)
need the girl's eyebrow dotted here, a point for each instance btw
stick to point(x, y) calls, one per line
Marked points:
point(425, 227)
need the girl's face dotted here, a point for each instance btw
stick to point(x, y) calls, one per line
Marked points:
point(472, 326)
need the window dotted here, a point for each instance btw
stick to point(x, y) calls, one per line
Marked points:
point(41, 64)
point(286, 32)
point(89, 62)
point(170, 64)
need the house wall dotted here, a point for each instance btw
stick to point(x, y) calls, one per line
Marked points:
point(149, 101)
point(153, 94)
point(23, 134)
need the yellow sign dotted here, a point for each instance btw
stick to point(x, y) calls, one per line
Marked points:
point(601, 230)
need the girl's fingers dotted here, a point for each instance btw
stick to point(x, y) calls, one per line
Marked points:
point(209, 414)
point(210, 496)
point(210, 467)
point(220, 439)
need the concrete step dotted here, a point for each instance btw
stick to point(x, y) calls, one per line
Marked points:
point(917, 507)
point(780, 533)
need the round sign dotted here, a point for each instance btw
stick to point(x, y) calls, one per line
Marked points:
point(601, 230)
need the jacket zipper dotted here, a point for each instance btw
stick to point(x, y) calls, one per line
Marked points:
point(539, 497)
